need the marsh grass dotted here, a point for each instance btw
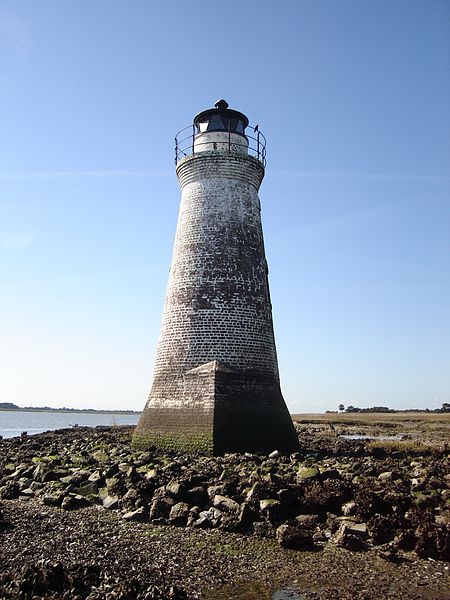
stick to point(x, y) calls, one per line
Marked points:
point(407, 446)
point(416, 432)
point(373, 419)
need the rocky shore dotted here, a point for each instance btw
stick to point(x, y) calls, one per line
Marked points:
point(84, 515)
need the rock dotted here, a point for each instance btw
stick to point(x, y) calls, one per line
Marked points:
point(100, 456)
point(23, 471)
point(273, 510)
point(160, 508)
point(95, 477)
point(262, 529)
point(130, 498)
point(208, 518)
point(151, 474)
point(70, 480)
point(445, 494)
point(274, 454)
point(246, 516)
point(255, 493)
point(328, 495)
point(359, 529)
point(193, 516)
point(54, 580)
point(349, 508)
point(112, 482)
point(111, 471)
point(369, 504)
point(103, 493)
point(175, 490)
point(10, 491)
point(111, 502)
point(43, 474)
point(197, 496)
point(442, 519)
point(382, 529)
point(294, 536)
point(39, 472)
point(36, 485)
point(433, 542)
point(321, 535)
point(406, 540)
point(226, 504)
point(305, 473)
point(135, 515)
point(351, 536)
point(423, 501)
point(272, 480)
point(214, 490)
point(330, 474)
point(24, 483)
point(386, 476)
point(54, 499)
point(73, 502)
point(128, 470)
point(88, 489)
point(179, 513)
point(287, 496)
point(307, 521)
point(268, 504)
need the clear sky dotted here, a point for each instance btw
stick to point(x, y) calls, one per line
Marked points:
point(353, 97)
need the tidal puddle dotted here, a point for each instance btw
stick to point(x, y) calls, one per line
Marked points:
point(287, 593)
point(256, 591)
point(381, 438)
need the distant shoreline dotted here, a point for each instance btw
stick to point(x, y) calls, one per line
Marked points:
point(71, 410)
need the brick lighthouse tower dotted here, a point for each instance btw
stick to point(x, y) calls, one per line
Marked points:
point(216, 386)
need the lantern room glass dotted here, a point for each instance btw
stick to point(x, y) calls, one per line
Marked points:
point(217, 122)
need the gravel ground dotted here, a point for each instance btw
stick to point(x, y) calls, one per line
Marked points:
point(207, 564)
point(85, 551)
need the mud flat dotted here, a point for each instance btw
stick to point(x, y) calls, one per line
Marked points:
point(83, 515)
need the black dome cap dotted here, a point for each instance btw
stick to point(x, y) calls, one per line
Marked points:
point(221, 108)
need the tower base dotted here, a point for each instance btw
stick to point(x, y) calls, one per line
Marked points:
point(214, 409)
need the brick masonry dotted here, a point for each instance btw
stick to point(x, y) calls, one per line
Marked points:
point(216, 384)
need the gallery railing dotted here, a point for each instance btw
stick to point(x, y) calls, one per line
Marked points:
point(188, 142)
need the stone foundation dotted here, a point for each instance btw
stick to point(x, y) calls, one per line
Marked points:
point(215, 409)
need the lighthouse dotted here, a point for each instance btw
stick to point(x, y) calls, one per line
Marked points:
point(216, 385)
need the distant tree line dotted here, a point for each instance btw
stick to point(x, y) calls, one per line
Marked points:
point(11, 406)
point(384, 409)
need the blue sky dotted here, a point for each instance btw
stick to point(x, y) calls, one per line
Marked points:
point(353, 98)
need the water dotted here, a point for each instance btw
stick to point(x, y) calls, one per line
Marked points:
point(381, 438)
point(288, 593)
point(13, 422)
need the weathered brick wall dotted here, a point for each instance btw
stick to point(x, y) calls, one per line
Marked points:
point(217, 304)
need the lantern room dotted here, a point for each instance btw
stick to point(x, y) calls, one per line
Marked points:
point(220, 129)
point(221, 118)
